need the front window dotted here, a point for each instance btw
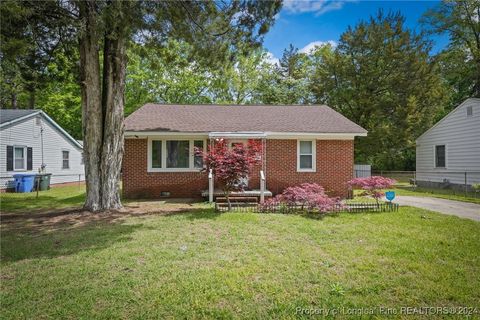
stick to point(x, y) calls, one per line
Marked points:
point(156, 154)
point(306, 156)
point(177, 153)
point(440, 156)
point(198, 158)
point(19, 158)
point(65, 159)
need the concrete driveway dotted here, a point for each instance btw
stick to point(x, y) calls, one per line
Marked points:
point(457, 208)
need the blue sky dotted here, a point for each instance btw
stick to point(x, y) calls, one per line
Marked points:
point(303, 23)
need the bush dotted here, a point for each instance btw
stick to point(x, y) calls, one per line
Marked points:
point(308, 196)
point(372, 186)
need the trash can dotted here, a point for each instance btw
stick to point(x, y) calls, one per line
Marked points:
point(43, 181)
point(24, 182)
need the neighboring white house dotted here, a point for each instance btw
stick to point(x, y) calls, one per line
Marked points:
point(30, 138)
point(449, 151)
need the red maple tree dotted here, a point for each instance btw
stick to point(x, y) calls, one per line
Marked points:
point(231, 165)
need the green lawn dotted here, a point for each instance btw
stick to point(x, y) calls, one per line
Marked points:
point(199, 264)
point(55, 198)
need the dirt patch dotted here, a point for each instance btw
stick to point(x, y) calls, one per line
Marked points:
point(76, 217)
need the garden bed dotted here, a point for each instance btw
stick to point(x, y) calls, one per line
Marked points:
point(297, 208)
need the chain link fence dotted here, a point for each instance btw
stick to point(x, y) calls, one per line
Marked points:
point(451, 182)
point(7, 182)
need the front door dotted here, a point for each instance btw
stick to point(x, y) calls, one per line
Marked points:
point(232, 144)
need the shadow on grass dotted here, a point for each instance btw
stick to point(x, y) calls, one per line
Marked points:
point(62, 233)
point(29, 241)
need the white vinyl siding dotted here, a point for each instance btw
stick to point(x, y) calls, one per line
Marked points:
point(306, 161)
point(27, 133)
point(460, 134)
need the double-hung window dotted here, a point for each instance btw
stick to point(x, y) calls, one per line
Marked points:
point(306, 155)
point(440, 156)
point(65, 159)
point(19, 158)
point(175, 155)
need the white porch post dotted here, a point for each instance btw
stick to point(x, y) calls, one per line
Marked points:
point(210, 186)
point(262, 186)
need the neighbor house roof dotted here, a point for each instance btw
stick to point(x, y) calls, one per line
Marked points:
point(240, 118)
point(9, 117)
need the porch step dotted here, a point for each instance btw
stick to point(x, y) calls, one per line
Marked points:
point(237, 200)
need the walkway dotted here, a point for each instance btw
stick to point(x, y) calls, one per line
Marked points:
point(451, 207)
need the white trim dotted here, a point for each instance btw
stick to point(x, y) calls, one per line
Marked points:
point(448, 115)
point(24, 158)
point(318, 136)
point(238, 135)
point(40, 112)
point(251, 135)
point(19, 119)
point(314, 156)
point(164, 155)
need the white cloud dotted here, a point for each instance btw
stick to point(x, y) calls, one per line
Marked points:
point(270, 58)
point(318, 7)
point(311, 46)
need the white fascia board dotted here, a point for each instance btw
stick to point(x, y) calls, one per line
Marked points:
point(248, 135)
point(43, 114)
point(144, 134)
point(237, 135)
point(318, 136)
point(447, 116)
point(65, 133)
point(19, 119)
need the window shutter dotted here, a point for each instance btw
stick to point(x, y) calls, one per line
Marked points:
point(9, 158)
point(29, 158)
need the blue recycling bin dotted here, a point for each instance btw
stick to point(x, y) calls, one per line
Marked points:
point(24, 182)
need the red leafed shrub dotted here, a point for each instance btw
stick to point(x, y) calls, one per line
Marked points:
point(308, 196)
point(231, 165)
point(372, 186)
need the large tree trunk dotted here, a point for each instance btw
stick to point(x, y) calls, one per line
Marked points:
point(92, 115)
point(114, 60)
point(14, 100)
point(102, 103)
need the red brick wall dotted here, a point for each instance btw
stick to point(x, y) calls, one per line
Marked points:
point(138, 183)
point(334, 168)
point(334, 165)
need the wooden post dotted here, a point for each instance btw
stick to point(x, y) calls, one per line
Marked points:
point(262, 187)
point(37, 180)
point(465, 184)
point(210, 186)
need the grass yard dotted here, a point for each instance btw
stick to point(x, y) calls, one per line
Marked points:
point(193, 263)
point(55, 198)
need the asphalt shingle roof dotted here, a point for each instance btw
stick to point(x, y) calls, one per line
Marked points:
point(240, 118)
point(7, 115)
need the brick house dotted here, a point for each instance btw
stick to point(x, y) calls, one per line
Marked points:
point(300, 144)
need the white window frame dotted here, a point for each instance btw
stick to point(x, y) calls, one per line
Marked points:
point(314, 156)
point(65, 150)
point(24, 158)
point(435, 156)
point(191, 164)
